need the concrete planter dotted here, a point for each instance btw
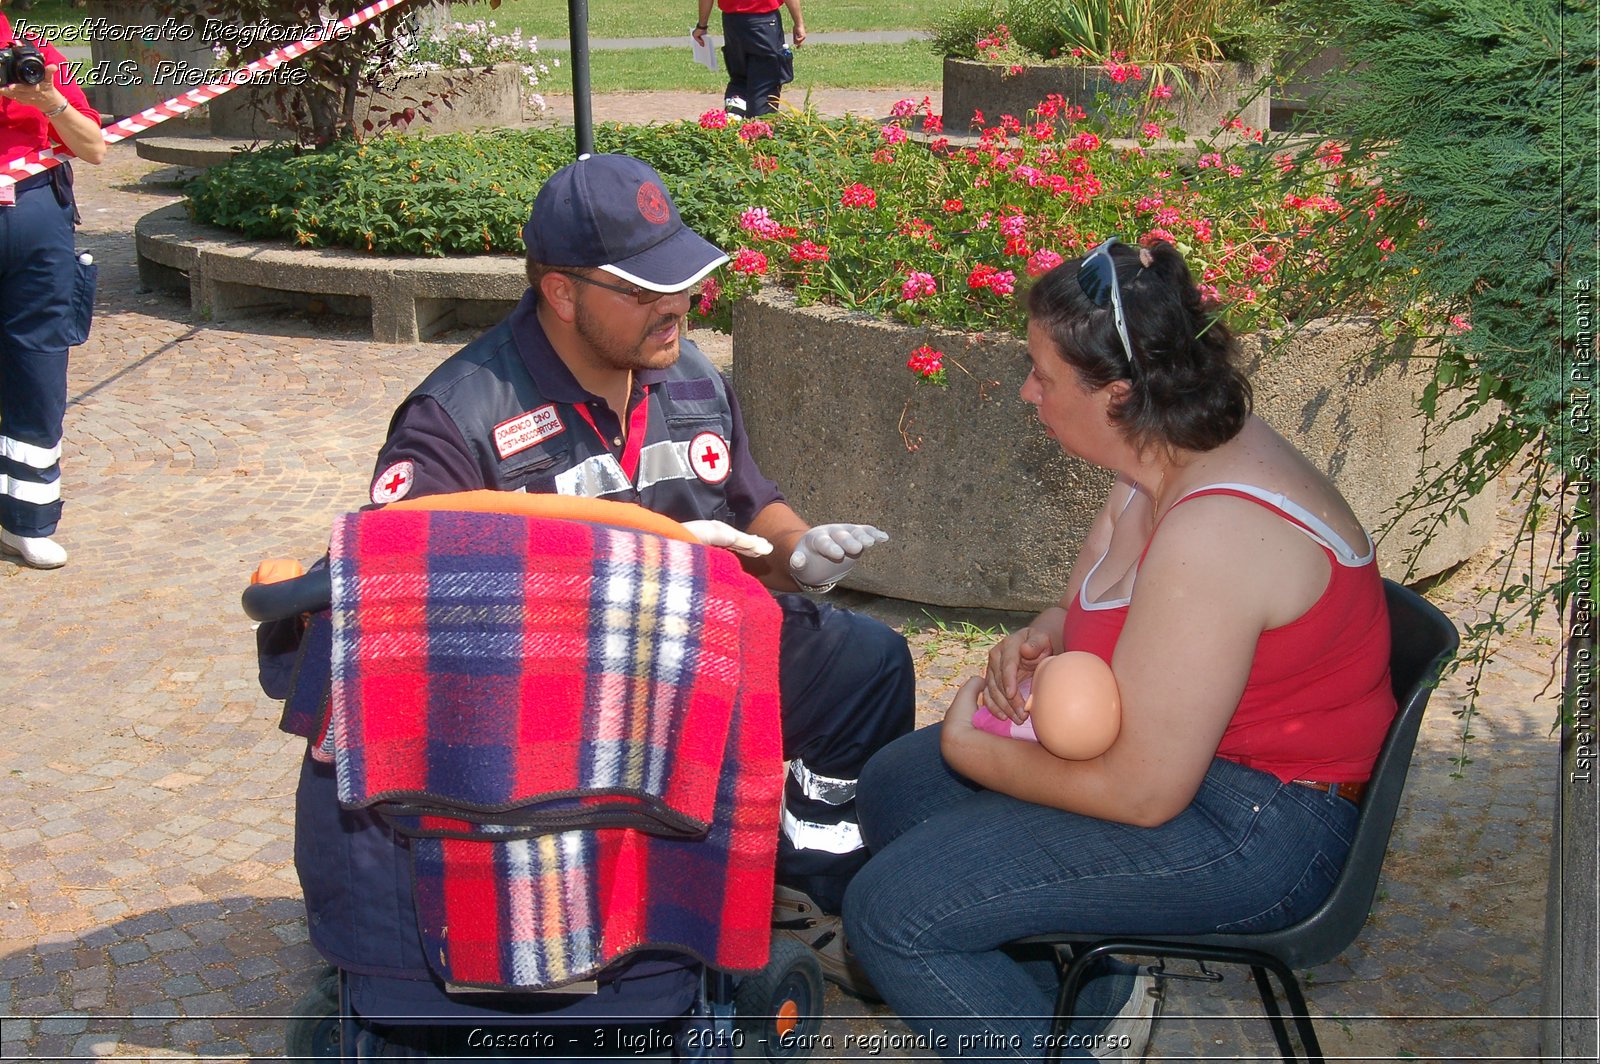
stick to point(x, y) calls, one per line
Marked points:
point(136, 71)
point(1220, 89)
point(465, 99)
point(987, 511)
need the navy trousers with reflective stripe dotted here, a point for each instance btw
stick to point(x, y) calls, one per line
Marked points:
point(847, 690)
point(38, 268)
point(753, 53)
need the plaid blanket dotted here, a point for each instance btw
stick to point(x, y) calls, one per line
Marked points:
point(579, 726)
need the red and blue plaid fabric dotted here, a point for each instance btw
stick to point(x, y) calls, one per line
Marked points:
point(577, 724)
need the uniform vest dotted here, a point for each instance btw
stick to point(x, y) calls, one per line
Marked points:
point(523, 441)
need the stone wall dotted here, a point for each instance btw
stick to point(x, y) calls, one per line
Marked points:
point(983, 509)
point(480, 98)
point(1224, 88)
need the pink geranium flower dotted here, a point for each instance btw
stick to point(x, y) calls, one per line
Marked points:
point(1042, 261)
point(918, 286)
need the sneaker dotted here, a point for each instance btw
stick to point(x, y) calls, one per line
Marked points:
point(41, 552)
point(794, 914)
point(1132, 1025)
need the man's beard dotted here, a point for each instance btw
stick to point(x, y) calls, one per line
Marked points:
point(618, 353)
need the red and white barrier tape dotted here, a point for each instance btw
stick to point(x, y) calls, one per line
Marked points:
point(37, 162)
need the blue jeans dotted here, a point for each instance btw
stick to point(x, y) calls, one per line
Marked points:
point(957, 872)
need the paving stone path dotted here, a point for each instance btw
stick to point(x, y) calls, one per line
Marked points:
point(148, 903)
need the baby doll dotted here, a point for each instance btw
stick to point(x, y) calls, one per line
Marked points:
point(1073, 705)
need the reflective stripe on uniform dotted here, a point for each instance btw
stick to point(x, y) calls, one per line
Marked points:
point(30, 491)
point(822, 788)
point(593, 478)
point(667, 460)
point(844, 837)
point(37, 457)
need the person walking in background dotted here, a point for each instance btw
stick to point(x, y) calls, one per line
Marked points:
point(758, 64)
point(46, 295)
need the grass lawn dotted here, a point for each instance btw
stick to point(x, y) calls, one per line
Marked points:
point(50, 13)
point(911, 64)
point(842, 66)
point(672, 18)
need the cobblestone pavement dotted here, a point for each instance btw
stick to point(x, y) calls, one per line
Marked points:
point(148, 904)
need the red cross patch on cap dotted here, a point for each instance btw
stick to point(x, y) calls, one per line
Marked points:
point(709, 458)
point(653, 203)
point(393, 483)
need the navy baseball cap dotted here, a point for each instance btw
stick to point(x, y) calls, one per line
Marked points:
point(612, 212)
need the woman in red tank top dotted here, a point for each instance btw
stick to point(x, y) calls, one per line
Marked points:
point(1237, 600)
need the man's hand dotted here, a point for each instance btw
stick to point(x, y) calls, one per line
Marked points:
point(721, 534)
point(827, 553)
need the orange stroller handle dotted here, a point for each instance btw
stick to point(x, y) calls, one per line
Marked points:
point(555, 507)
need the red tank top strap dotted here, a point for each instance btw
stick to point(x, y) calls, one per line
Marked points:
point(1285, 508)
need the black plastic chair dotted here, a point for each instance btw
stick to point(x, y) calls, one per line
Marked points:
point(1423, 640)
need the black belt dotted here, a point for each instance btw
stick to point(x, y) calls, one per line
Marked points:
point(36, 180)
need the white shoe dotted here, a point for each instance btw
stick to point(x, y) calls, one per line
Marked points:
point(41, 552)
point(1127, 1036)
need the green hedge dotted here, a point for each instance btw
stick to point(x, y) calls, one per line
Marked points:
point(457, 194)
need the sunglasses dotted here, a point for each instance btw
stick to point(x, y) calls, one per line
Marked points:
point(643, 296)
point(1097, 276)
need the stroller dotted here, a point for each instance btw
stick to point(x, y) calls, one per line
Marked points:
point(411, 975)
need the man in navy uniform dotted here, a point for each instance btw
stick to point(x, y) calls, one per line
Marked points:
point(588, 388)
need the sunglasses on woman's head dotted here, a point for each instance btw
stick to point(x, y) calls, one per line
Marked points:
point(1097, 276)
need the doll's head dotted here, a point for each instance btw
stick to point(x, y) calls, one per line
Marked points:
point(1075, 706)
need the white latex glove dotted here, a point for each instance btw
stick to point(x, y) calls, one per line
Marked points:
point(827, 553)
point(721, 534)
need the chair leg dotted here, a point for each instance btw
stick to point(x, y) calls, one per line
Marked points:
point(1299, 1011)
point(1073, 974)
point(1269, 1002)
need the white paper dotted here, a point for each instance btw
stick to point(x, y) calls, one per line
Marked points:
point(705, 54)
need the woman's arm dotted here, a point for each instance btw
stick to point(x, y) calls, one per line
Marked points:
point(80, 133)
point(1220, 572)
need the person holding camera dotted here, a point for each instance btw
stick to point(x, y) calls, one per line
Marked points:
point(46, 294)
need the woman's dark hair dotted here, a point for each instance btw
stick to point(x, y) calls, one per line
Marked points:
point(1184, 387)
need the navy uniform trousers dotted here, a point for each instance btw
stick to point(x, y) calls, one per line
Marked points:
point(847, 689)
point(753, 52)
point(42, 312)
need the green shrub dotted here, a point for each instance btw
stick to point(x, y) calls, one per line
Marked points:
point(411, 194)
point(1478, 117)
point(842, 211)
point(1101, 31)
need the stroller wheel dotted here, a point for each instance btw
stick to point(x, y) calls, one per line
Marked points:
point(313, 1031)
point(778, 1011)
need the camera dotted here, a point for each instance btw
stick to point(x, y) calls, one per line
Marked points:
point(21, 62)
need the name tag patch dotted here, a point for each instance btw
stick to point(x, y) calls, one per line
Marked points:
point(527, 430)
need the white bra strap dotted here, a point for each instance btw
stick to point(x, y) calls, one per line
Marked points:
point(1313, 526)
